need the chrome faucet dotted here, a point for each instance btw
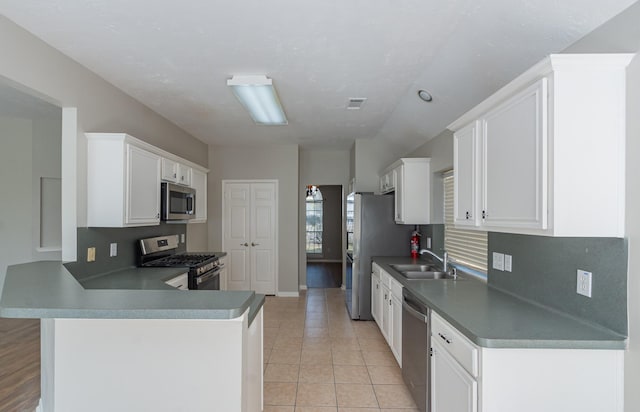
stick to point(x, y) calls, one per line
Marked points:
point(444, 259)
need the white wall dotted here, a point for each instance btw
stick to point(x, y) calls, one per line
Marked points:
point(320, 167)
point(255, 163)
point(46, 72)
point(16, 200)
point(371, 157)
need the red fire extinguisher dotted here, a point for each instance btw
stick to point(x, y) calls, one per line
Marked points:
point(415, 243)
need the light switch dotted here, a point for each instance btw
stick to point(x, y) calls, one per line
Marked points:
point(508, 260)
point(428, 243)
point(182, 238)
point(113, 250)
point(498, 261)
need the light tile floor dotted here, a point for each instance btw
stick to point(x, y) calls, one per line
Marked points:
point(319, 360)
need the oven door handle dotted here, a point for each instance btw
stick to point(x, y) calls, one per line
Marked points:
point(207, 276)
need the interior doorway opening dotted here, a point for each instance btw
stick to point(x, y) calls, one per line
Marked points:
point(324, 236)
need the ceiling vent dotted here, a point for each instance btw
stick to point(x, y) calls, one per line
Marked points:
point(355, 103)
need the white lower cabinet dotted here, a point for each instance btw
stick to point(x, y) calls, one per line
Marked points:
point(452, 388)
point(469, 378)
point(386, 308)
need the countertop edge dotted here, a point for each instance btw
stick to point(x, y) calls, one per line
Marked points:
point(60, 295)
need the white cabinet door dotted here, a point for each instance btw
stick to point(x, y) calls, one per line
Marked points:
point(143, 187)
point(184, 175)
point(376, 298)
point(386, 312)
point(514, 158)
point(254, 365)
point(466, 175)
point(169, 170)
point(400, 194)
point(452, 388)
point(396, 327)
point(249, 228)
point(199, 182)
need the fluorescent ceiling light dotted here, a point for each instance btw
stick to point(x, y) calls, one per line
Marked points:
point(257, 95)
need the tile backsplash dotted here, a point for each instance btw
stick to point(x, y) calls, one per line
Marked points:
point(545, 269)
point(128, 249)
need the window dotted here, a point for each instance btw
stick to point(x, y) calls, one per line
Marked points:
point(467, 247)
point(314, 220)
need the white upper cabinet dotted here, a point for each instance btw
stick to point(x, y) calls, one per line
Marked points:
point(199, 182)
point(466, 174)
point(123, 181)
point(545, 154)
point(514, 137)
point(169, 170)
point(176, 172)
point(411, 180)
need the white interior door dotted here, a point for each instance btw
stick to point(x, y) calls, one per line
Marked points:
point(263, 218)
point(236, 238)
point(250, 235)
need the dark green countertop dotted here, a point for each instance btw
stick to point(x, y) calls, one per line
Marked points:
point(493, 319)
point(48, 290)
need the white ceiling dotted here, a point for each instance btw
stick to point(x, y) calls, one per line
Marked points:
point(175, 57)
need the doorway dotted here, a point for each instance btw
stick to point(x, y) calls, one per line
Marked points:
point(30, 223)
point(324, 236)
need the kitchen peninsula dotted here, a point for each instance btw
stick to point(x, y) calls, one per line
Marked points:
point(149, 347)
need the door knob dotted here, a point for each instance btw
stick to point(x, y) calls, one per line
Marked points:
point(255, 244)
point(244, 244)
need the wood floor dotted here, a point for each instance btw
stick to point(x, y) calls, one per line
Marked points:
point(19, 364)
point(324, 275)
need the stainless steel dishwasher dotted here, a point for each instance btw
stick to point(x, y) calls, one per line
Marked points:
point(416, 341)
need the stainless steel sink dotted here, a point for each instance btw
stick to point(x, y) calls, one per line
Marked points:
point(422, 272)
point(426, 275)
point(415, 268)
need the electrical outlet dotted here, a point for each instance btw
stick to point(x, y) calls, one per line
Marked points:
point(91, 254)
point(583, 283)
point(498, 261)
point(182, 238)
point(428, 243)
point(113, 250)
point(508, 260)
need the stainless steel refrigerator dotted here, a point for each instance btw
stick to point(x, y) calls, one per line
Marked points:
point(371, 231)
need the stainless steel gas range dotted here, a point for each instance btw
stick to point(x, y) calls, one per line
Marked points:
point(161, 251)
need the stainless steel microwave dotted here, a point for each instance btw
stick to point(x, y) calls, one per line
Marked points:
point(178, 202)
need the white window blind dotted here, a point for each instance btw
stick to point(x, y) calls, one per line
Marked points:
point(467, 247)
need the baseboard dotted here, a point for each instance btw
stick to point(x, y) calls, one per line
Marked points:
point(288, 294)
point(303, 287)
point(343, 287)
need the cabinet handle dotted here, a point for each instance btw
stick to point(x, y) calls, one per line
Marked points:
point(484, 214)
point(467, 215)
point(244, 244)
point(377, 286)
point(389, 302)
point(444, 338)
point(175, 175)
point(158, 215)
point(385, 296)
point(255, 244)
